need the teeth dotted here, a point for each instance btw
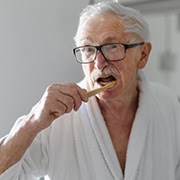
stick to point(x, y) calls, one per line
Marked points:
point(104, 83)
point(106, 80)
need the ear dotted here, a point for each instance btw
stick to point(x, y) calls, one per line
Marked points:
point(144, 55)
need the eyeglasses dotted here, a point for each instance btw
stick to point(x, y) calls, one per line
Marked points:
point(111, 52)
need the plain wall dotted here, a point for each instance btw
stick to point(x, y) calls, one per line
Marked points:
point(165, 36)
point(36, 41)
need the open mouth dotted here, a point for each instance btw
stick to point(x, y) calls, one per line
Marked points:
point(105, 80)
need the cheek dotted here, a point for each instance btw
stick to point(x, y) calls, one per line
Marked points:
point(127, 67)
point(128, 71)
point(131, 71)
point(131, 63)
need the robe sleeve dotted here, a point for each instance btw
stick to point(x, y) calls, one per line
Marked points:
point(33, 164)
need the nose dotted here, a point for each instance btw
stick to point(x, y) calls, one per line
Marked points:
point(100, 62)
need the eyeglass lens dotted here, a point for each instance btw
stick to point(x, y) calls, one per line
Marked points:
point(110, 52)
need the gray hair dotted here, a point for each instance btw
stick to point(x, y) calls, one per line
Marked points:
point(133, 20)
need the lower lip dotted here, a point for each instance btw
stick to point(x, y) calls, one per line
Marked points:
point(104, 83)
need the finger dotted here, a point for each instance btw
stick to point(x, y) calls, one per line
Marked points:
point(71, 95)
point(81, 92)
point(54, 108)
point(67, 101)
point(70, 98)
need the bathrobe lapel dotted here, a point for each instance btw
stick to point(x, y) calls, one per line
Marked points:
point(103, 140)
point(139, 133)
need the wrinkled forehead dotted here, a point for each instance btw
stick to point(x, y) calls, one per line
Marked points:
point(104, 27)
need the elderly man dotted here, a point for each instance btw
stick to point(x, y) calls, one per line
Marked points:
point(129, 131)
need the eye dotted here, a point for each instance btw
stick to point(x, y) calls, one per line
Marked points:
point(88, 49)
point(111, 47)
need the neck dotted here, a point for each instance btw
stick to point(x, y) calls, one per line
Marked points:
point(120, 112)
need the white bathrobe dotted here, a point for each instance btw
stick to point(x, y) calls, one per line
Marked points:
point(77, 146)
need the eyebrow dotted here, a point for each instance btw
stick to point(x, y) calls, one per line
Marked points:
point(107, 40)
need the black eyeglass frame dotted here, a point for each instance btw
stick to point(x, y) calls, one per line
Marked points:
point(99, 48)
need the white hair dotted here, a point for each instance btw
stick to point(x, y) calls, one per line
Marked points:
point(134, 21)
